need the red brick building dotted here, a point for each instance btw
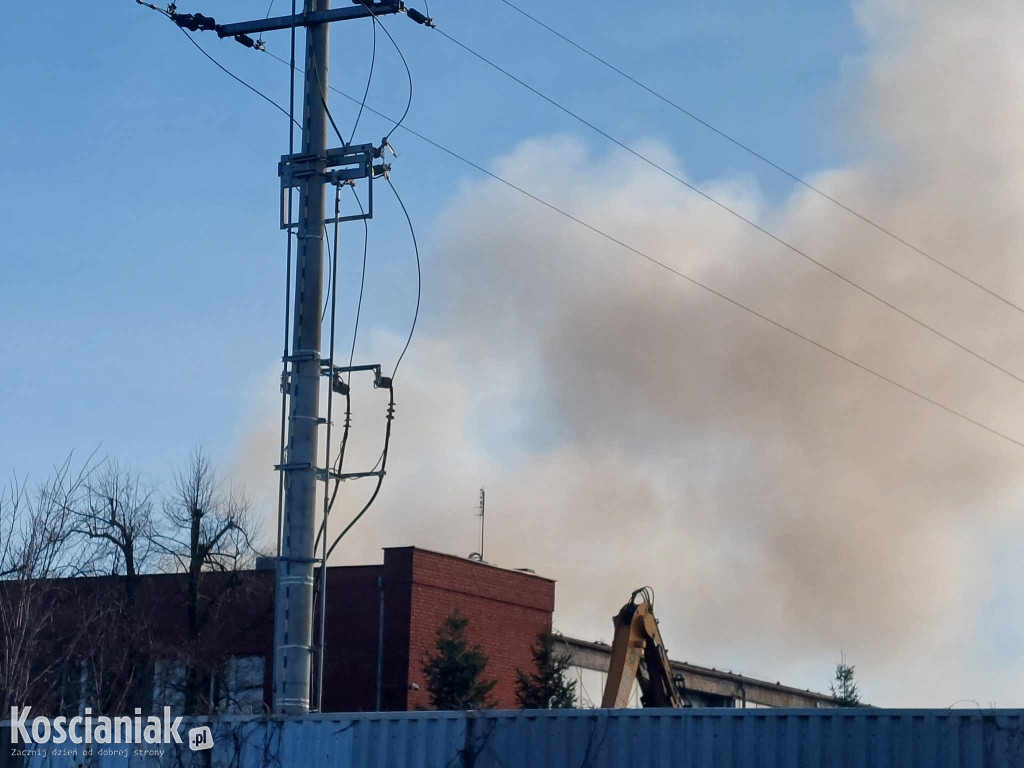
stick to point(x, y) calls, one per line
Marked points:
point(416, 589)
point(506, 611)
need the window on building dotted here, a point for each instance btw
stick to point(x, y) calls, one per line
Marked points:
point(74, 685)
point(169, 685)
point(240, 685)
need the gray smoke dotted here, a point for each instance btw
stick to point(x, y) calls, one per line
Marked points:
point(632, 429)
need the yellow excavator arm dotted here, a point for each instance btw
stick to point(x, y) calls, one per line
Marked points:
point(639, 654)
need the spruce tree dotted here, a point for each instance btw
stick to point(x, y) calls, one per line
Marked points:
point(845, 692)
point(454, 670)
point(546, 687)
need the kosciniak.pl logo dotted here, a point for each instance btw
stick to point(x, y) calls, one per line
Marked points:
point(200, 738)
point(122, 729)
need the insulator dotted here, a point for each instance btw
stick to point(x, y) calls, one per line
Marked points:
point(419, 18)
point(205, 23)
point(338, 385)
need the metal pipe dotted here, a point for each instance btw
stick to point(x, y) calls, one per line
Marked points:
point(380, 644)
point(327, 460)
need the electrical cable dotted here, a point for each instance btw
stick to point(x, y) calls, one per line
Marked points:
point(352, 352)
point(270, 7)
point(419, 279)
point(408, 72)
point(330, 424)
point(330, 271)
point(765, 318)
point(382, 460)
point(369, 79)
point(764, 159)
point(235, 77)
point(678, 273)
point(323, 101)
point(750, 222)
point(362, 279)
point(287, 293)
point(380, 477)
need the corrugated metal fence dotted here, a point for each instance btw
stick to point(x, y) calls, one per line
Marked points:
point(693, 738)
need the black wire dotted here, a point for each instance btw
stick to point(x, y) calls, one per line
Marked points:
point(330, 268)
point(750, 222)
point(694, 281)
point(232, 75)
point(419, 278)
point(408, 72)
point(333, 280)
point(267, 16)
point(362, 279)
point(746, 148)
point(380, 477)
point(355, 331)
point(323, 100)
point(369, 79)
point(351, 357)
point(287, 289)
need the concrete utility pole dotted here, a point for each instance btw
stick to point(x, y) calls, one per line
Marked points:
point(309, 172)
point(293, 631)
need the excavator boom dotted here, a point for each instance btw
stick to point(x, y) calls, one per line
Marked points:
point(638, 654)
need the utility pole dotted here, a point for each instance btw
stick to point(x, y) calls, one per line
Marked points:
point(293, 631)
point(309, 172)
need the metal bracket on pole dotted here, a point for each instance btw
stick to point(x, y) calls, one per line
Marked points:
point(327, 368)
point(292, 468)
point(351, 163)
point(325, 474)
point(301, 356)
point(358, 11)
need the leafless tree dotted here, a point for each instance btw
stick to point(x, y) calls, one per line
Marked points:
point(116, 520)
point(117, 517)
point(37, 547)
point(207, 527)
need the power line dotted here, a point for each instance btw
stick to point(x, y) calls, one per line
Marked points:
point(661, 264)
point(362, 279)
point(369, 79)
point(235, 77)
point(408, 72)
point(764, 159)
point(419, 278)
point(750, 222)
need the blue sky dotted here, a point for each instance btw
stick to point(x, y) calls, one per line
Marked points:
point(142, 270)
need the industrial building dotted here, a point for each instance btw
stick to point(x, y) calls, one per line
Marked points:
point(700, 686)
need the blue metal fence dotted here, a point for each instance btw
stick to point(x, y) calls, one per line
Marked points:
point(692, 738)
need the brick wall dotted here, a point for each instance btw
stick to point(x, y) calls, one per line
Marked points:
point(506, 611)
point(352, 621)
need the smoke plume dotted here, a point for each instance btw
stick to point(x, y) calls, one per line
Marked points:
point(633, 429)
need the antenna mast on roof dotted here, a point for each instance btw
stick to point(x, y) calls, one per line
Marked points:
point(479, 555)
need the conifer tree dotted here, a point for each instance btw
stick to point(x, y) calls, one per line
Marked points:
point(845, 692)
point(454, 671)
point(546, 687)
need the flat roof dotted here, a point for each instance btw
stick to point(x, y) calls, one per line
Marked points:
point(685, 666)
